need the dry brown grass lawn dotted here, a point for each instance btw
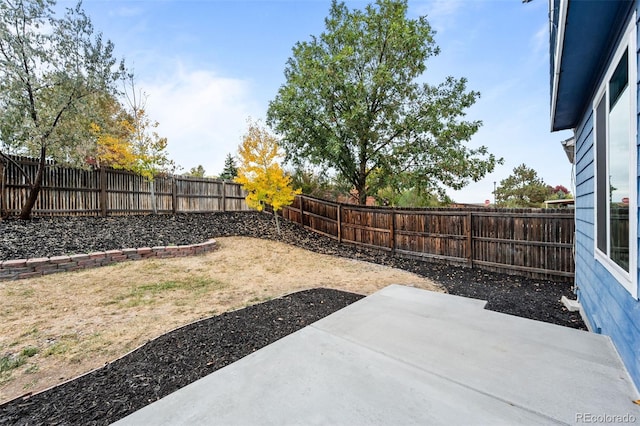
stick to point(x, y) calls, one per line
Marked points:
point(56, 327)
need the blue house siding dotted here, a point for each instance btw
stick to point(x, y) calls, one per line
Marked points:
point(609, 307)
point(618, 315)
point(584, 209)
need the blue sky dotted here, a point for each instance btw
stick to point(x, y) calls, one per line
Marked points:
point(208, 65)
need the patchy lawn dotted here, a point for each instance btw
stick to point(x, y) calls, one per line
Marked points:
point(57, 327)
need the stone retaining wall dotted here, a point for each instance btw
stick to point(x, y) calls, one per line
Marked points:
point(27, 268)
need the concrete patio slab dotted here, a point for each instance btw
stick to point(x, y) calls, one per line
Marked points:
point(409, 356)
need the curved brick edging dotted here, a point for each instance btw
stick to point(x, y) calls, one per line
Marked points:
point(28, 268)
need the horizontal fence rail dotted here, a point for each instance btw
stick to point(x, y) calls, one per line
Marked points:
point(536, 243)
point(108, 192)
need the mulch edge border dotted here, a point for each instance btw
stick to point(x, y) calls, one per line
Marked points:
point(29, 395)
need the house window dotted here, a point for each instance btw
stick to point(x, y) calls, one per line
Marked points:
point(615, 158)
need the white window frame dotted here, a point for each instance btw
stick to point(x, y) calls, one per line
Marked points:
point(629, 280)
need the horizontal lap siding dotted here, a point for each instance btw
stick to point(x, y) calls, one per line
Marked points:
point(606, 302)
point(617, 314)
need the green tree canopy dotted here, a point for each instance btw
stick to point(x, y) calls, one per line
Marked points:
point(48, 79)
point(318, 183)
point(196, 171)
point(230, 170)
point(352, 102)
point(523, 188)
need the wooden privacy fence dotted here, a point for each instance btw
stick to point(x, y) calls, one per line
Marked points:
point(107, 192)
point(536, 243)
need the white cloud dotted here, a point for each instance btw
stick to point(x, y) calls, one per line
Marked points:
point(440, 13)
point(539, 49)
point(540, 41)
point(202, 115)
point(439, 8)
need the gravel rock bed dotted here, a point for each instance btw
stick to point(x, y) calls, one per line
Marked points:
point(43, 237)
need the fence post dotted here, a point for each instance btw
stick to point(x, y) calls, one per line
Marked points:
point(174, 194)
point(339, 222)
point(392, 235)
point(103, 192)
point(302, 210)
point(469, 232)
point(224, 196)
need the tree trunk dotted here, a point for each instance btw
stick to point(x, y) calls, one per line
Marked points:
point(361, 187)
point(275, 215)
point(25, 212)
point(362, 197)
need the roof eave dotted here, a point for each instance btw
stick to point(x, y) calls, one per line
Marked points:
point(557, 60)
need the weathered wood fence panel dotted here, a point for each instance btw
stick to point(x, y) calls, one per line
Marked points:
point(108, 192)
point(537, 243)
point(234, 197)
point(197, 194)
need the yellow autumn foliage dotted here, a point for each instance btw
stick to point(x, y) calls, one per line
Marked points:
point(114, 150)
point(132, 144)
point(260, 173)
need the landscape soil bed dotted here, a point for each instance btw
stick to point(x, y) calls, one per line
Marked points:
point(166, 363)
point(172, 361)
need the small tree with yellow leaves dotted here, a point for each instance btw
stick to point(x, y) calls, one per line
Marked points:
point(112, 149)
point(260, 173)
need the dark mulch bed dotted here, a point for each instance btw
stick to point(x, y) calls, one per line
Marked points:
point(182, 356)
point(172, 361)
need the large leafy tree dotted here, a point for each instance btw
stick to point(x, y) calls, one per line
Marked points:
point(319, 184)
point(523, 188)
point(353, 102)
point(50, 67)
